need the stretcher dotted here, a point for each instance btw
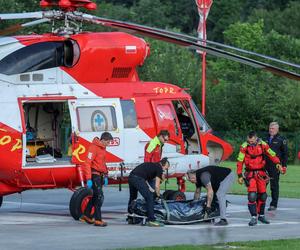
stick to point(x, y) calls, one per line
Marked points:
point(173, 212)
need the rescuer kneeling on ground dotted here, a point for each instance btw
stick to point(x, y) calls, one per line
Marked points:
point(252, 154)
point(216, 180)
point(138, 181)
point(95, 172)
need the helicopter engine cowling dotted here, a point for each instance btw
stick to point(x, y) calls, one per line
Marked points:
point(108, 57)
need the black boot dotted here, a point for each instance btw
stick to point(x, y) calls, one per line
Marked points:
point(263, 219)
point(253, 221)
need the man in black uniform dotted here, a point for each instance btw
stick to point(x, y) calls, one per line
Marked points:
point(216, 180)
point(279, 145)
point(138, 181)
point(186, 124)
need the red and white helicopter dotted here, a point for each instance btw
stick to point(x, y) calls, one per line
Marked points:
point(62, 89)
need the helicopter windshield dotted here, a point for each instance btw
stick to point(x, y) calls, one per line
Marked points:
point(204, 126)
point(39, 56)
point(31, 58)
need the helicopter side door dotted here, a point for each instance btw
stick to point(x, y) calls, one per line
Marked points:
point(90, 118)
point(166, 119)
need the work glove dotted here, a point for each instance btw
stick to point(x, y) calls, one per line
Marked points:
point(89, 184)
point(105, 183)
point(241, 180)
point(283, 171)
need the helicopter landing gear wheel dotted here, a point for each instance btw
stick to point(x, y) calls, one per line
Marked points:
point(1, 200)
point(79, 201)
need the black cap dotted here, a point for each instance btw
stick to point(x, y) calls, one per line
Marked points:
point(106, 136)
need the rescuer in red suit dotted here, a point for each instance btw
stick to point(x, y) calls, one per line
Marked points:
point(95, 172)
point(153, 149)
point(252, 154)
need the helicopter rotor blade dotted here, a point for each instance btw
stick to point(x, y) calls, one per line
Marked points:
point(186, 41)
point(14, 28)
point(28, 15)
point(51, 14)
point(196, 39)
point(252, 53)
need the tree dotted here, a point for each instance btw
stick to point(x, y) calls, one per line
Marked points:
point(222, 14)
point(172, 64)
point(283, 21)
point(252, 98)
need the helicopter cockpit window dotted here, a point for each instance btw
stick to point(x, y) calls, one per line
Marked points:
point(185, 119)
point(129, 114)
point(94, 119)
point(204, 126)
point(34, 57)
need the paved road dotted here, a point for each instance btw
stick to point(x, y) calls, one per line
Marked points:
point(40, 220)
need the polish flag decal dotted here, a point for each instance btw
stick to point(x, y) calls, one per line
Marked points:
point(130, 49)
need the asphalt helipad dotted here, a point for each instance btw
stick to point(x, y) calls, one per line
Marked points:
point(41, 220)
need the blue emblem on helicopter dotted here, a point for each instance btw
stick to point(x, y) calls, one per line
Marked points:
point(98, 121)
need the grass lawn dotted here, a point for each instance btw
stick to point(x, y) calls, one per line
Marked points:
point(254, 245)
point(289, 183)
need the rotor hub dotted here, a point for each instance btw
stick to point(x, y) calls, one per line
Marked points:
point(69, 5)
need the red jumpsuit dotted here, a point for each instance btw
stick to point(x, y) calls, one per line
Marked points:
point(153, 150)
point(95, 168)
point(253, 156)
point(95, 162)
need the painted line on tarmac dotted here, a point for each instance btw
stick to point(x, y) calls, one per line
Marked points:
point(29, 220)
point(233, 225)
point(21, 204)
point(246, 210)
point(273, 221)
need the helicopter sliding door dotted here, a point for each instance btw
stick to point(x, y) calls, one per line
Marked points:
point(90, 118)
point(188, 126)
point(166, 119)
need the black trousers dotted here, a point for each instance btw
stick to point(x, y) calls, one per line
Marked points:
point(138, 184)
point(274, 183)
point(97, 199)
